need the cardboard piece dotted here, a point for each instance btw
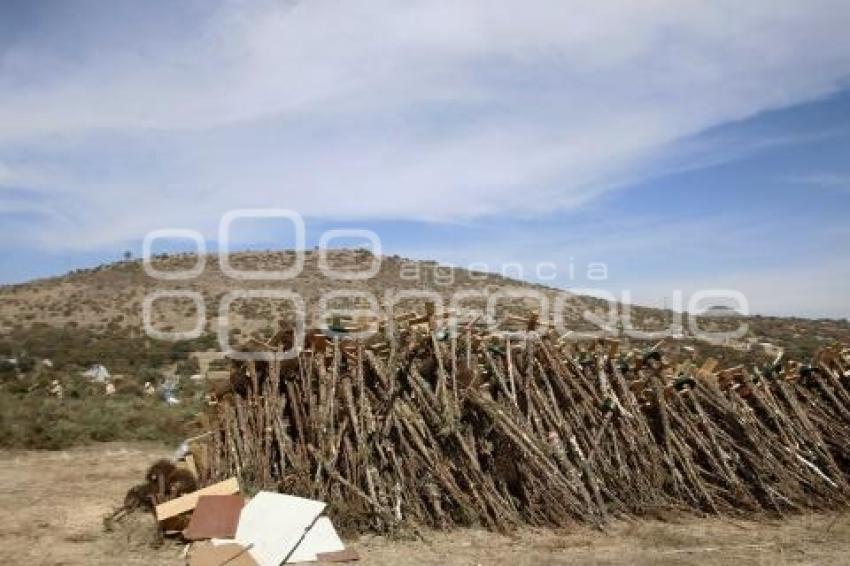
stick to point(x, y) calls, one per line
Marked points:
point(347, 555)
point(216, 516)
point(190, 500)
point(321, 538)
point(275, 525)
point(206, 554)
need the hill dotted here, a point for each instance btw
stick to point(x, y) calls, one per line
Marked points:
point(95, 314)
point(111, 297)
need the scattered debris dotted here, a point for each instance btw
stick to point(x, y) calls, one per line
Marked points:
point(209, 554)
point(56, 389)
point(271, 529)
point(320, 539)
point(187, 502)
point(347, 555)
point(97, 373)
point(169, 396)
point(275, 525)
point(168, 390)
point(216, 516)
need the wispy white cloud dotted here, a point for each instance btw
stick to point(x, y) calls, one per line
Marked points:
point(647, 260)
point(420, 110)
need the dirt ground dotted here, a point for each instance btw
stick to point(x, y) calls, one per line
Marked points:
point(52, 505)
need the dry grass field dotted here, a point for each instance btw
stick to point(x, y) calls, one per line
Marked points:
point(53, 504)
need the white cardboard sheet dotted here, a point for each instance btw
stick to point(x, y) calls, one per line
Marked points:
point(321, 538)
point(274, 524)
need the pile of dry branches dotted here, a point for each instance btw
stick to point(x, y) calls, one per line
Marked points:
point(450, 429)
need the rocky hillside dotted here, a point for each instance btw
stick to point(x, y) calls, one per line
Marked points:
point(111, 297)
point(108, 300)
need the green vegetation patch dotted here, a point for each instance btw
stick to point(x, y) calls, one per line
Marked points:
point(35, 420)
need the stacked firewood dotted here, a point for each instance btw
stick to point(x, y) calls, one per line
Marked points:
point(446, 427)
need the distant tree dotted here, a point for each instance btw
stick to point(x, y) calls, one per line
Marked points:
point(128, 255)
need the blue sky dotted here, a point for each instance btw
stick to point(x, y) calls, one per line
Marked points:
point(685, 145)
